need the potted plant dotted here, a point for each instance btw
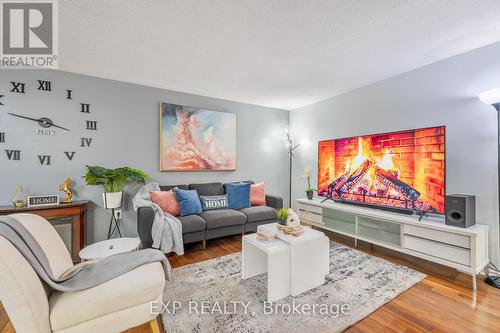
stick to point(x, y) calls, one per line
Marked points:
point(282, 216)
point(309, 190)
point(113, 181)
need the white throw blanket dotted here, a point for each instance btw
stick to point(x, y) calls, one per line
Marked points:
point(167, 229)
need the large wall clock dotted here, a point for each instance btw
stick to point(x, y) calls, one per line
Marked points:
point(45, 122)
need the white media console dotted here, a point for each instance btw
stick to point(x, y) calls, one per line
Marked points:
point(465, 249)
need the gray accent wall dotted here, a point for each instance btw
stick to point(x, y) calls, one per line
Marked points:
point(443, 93)
point(128, 135)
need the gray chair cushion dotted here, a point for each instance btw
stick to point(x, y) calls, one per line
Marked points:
point(169, 187)
point(192, 223)
point(208, 188)
point(259, 213)
point(223, 217)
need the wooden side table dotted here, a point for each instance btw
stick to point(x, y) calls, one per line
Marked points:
point(74, 214)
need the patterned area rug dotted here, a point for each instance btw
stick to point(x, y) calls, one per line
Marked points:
point(211, 296)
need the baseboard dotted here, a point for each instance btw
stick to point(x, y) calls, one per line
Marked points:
point(493, 271)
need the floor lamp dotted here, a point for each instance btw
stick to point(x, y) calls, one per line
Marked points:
point(492, 97)
point(291, 148)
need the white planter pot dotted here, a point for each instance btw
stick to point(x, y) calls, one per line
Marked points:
point(112, 200)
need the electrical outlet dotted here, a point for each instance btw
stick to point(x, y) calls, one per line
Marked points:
point(118, 214)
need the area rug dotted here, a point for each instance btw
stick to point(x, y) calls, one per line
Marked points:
point(210, 296)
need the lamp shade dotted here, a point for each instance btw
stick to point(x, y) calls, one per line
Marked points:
point(490, 97)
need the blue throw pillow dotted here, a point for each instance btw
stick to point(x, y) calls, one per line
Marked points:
point(238, 195)
point(211, 202)
point(188, 200)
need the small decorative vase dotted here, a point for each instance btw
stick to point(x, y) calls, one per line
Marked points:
point(282, 222)
point(309, 195)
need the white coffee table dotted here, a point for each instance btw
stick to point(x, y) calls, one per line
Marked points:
point(272, 257)
point(309, 257)
point(293, 264)
point(109, 247)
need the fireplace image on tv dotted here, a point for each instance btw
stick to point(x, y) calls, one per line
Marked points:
point(399, 171)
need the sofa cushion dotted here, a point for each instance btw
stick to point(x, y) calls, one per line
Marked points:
point(167, 201)
point(238, 195)
point(139, 286)
point(223, 217)
point(170, 187)
point(211, 202)
point(257, 194)
point(188, 200)
point(208, 188)
point(192, 223)
point(243, 181)
point(259, 213)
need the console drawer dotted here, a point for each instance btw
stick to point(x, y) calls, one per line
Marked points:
point(310, 216)
point(309, 208)
point(439, 236)
point(438, 250)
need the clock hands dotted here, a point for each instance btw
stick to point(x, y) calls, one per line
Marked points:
point(44, 122)
point(18, 115)
point(49, 123)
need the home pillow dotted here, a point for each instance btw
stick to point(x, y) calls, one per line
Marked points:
point(211, 202)
point(188, 200)
point(166, 200)
point(238, 195)
point(257, 194)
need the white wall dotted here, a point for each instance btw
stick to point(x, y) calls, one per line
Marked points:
point(443, 93)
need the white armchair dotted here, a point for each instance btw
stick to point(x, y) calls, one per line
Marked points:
point(114, 306)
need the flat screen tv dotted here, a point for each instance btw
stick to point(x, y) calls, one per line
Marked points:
point(402, 170)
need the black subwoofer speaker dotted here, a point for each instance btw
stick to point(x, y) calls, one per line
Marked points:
point(460, 210)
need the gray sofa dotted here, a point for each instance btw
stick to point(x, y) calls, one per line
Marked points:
point(214, 223)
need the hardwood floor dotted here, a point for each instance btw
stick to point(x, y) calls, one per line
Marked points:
point(443, 302)
point(5, 324)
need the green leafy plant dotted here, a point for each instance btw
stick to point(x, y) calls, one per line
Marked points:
point(113, 180)
point(282, 214)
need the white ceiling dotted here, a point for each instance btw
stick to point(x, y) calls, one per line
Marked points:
point(278, 53)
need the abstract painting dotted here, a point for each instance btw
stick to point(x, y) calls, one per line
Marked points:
point(193, 139)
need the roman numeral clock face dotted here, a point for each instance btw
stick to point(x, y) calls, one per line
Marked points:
point(44, 124)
